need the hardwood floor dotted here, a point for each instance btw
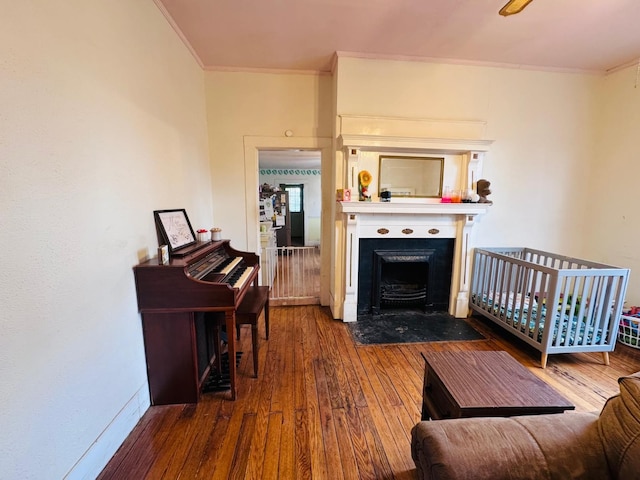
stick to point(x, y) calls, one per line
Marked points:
point(325, 408)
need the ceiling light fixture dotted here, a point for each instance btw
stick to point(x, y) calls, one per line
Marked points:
point(514, 6)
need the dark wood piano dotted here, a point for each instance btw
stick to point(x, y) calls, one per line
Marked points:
point(175, 301)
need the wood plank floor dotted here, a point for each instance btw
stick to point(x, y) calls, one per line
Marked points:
point(326, 408)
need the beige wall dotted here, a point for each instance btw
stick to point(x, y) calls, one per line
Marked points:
point(257, 109)
point(612, 228)
point(542, 124)
point(102, 121)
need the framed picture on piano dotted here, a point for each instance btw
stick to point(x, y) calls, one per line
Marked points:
point(174, 228)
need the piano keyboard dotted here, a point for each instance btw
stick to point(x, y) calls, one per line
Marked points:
point(238, 279)
point(230, 266)
point(215, 263)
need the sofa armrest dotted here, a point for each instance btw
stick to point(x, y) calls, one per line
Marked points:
point(527, 447)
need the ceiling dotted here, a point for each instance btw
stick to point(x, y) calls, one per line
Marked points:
point(303, 35)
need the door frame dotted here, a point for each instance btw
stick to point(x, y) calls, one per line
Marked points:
point(252, 147)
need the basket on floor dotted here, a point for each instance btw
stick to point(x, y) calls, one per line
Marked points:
point(629, 330)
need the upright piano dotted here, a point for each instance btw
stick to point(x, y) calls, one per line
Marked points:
point(175, 301)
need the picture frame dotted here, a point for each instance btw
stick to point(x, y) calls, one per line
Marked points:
point(406, 176)
point(174, 228)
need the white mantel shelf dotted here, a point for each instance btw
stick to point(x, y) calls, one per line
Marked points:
point(381, 143)
point(413, 208)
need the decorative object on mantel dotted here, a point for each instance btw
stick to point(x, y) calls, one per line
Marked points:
point(470, 196)
point(451, 196)
point(446, 195)
point(364, 180)
point(385, 195)
point(343, 195)
point(483, 190)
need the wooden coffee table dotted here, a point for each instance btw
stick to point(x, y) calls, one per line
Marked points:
point(484, 384)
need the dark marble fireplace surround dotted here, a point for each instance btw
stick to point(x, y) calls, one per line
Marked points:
point(440, 265)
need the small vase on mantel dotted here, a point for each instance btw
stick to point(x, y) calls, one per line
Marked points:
point(364, 180)
point(470, 196)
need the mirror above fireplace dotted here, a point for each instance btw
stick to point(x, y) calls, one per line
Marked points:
point(406, 176)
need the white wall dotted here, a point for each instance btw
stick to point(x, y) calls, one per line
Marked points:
point(612, 229)
point(102, 121)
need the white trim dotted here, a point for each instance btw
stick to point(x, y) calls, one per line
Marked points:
point(105, 446)
point(389, 220)
point(178, 31)
point(413, 208)
point(458, 61)
point(412, 144)
point(252, 146)
point(271, 71)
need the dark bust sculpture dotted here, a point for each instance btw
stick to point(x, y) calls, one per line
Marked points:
point(483, 190)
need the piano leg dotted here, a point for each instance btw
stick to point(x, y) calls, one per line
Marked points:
point(217, 345)
point(230, 319)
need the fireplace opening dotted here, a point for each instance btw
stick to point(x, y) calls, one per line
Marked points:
point(404, 273)
point(401, 279)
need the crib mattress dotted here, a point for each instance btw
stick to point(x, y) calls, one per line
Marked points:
point(563, 322)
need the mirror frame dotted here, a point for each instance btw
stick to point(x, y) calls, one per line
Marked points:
point(403, 189)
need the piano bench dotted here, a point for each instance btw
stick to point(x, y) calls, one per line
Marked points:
point(254, 302)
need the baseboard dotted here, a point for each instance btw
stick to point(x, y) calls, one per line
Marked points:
point(93, 461)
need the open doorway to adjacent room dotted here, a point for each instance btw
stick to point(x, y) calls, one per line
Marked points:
point(296, 172)
point(290, 214)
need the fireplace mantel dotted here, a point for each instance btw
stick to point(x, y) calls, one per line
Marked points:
point(413, 208)
point(410, 220)
point(360, 140)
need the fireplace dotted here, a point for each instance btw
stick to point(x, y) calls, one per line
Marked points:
point(401, 279)
point(445, 228)
point(404, 273)
point(361, 142)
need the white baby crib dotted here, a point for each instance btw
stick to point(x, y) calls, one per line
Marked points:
point(556, 304)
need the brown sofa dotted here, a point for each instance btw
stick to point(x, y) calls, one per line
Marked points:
point(560, 446)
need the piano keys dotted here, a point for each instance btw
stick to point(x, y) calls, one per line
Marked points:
point(172, 299)
point(221, 268)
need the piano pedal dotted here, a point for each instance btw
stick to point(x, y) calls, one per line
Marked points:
point(220, 381)
point(225, 357)
point(218, 385)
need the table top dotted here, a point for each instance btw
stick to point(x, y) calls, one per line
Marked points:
point(493, 381)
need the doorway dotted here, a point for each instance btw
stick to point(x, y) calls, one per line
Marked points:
point(296, 208)
point(254, 146)
point(296, 172)
point(291, 268)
